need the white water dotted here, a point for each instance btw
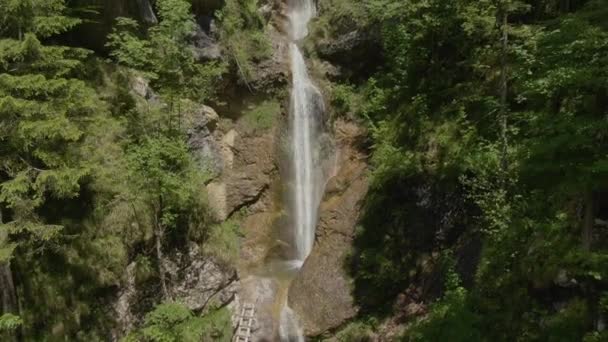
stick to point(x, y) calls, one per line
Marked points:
point(304, 104)
point(307, 176)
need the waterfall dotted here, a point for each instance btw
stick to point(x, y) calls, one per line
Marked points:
point(306, 102)
point(308, 181)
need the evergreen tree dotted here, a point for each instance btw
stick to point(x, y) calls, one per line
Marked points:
point(45, 111)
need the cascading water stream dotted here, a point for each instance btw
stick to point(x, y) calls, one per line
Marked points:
point(304, 106)
point(306, 102)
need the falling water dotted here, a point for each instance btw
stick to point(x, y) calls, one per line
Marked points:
point(306, 105)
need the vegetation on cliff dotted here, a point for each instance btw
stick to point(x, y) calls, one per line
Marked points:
point(486, 217)
point(95, 174)
point(488, 124)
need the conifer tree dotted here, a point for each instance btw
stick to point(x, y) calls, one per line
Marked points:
point(44, 110)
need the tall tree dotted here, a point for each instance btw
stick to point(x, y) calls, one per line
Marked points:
point(165, 55)
point(43, 112)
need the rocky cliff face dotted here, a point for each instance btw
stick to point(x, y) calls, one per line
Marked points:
point(321, 292)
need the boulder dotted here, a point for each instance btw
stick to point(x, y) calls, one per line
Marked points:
point(321, 292)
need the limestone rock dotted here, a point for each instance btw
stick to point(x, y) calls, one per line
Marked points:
point(227, 148)
point(216, 191)
point(265, 293)
point(252, 168)
point(321, 292)
point(202, 122)
point(205, 47)
point(141, 87)
point(272, 73)
point(259, 239)
point(125, 317)
point(197, 280)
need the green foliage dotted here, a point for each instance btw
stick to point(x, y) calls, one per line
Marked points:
point(451, 317)
point(10, 322)
point(44, 18)
point(173, 322)
point(223, 241)
point(262, 116)
point(160, 169)
point(358, 331)
point(242, 32)
point(433, 113)
point(164, 53)
point(44, 111)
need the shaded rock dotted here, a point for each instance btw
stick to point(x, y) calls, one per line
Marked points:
point(145, 12)
point(205, 47)
point(202, 144)
point(124, 314)
point(273, 73)
point(198, 280)
point(357, 53)
point(93, 32)
point(321, 293)
point(206, 7)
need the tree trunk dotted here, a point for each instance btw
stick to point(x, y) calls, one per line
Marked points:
point(588, 221)
point(503, 89)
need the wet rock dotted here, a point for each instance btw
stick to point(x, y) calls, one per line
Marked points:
point(258, 240)
point(321, 293)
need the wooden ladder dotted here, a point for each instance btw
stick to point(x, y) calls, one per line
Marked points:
point(246, 320)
